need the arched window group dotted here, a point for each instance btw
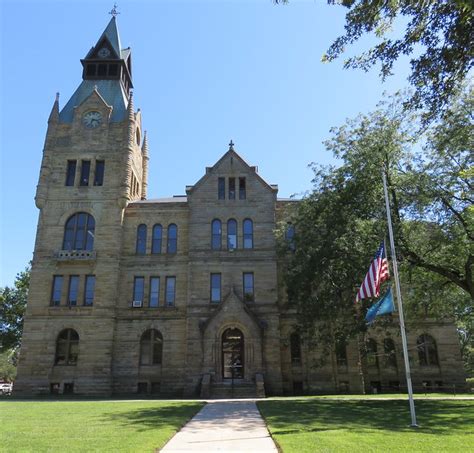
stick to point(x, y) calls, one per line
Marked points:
point(151, 347)
point(157, 239)
point(427, 350)
point(232, 234)
point(390, 354)
point(79, 232)
point(67, 347)
point(371, 349)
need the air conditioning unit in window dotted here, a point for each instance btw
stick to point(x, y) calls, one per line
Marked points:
point(136, 303)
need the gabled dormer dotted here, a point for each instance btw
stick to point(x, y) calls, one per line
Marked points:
point(107, 60)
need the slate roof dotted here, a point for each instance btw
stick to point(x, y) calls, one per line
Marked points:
point(110, 90)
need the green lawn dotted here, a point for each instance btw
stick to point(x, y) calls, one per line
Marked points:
point(90, 426)
point(340, 425)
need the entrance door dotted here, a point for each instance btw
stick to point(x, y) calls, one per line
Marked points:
point(232, 354)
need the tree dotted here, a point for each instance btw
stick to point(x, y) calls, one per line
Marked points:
point(443, 30)
point(12, 309)
point(340, 224)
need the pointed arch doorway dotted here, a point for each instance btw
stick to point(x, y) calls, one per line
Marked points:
point(232, 354)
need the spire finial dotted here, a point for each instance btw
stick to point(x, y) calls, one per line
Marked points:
point(57, 96)
point(114, 12)
point(231, 146)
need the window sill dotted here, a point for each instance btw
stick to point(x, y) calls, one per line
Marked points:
point(76, 255)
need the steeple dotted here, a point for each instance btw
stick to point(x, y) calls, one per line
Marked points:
point(107, 67)
point(54, 115)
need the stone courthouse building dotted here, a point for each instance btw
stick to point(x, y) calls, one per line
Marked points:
point(174, 296)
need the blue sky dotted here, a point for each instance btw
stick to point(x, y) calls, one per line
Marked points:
point(205, 72)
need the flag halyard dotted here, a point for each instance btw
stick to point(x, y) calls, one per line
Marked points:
point(378, 272)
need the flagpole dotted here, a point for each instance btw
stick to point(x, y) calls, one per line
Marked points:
point(400, 305)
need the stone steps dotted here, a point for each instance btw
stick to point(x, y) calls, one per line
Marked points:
point(238, 390)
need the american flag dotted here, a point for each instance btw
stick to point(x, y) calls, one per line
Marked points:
point(378, 272)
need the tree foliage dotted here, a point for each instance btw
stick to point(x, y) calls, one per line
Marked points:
point(12, 309)
point(439, 35)
point(340, 224)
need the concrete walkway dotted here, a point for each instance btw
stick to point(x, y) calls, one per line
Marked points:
point(226, 426)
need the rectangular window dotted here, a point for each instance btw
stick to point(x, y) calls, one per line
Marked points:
point(138, 289)
point(215, 287)
point(221, 188)
point(242, 189)
point(56, 291)
point(99, 173)
point(73, 290)
point(113, 69)
point(90, 69)
point(248, 287)
point(170, 291)
point(89, 289)
point(102, 69)
point(154, 291)
point(85, 171)
point(231, 188)
point(70, 172)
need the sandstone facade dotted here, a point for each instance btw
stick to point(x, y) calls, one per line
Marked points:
point(143, 312)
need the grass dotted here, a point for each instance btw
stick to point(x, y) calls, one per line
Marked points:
point(90, 426)
point(322, 425)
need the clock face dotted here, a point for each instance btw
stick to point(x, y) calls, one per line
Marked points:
point(92, 119)
point(104, 52)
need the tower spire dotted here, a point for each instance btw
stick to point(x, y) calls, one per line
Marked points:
point(54, 115)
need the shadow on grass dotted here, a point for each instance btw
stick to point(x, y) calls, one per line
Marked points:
point(300, 416)
point(161, 416)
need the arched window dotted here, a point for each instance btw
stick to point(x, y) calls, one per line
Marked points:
point(295, 348)
point(341, 352)
point(231, 234)
point(172, 246)
point(79, 232)
point(151, 348)
point(427, 350)
point(141, 239)
point(248, 234)
point(390, 353)
point(290, 236)
point(156, 240)
point(67, 347)
point(372, 359)
point(216, 234)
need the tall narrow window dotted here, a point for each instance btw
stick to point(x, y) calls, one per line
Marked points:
point(67, 348)
point(390, 354)
point(172, 246)
point(151, 347)
point(79, 232)
point(231, 188)
point(170, 295)
point(341, 352)
point(70, 172)
point(248, 234)
point(242, 189)
point(141, 239)
point(85, 172)
point(221, 188)
point(138, 291)
point(73, 290)
point(372, 359)
point(290, 236)
point(248, 287)
point(89, 290)
point(156, 240)
point(56, 291)
point(154, 291)
point(215, 288)
point(231, 234)
point(427, 350)
point(99, 173)
point(216, 234)
point(295, 348)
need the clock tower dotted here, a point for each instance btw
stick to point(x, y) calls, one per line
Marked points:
point(94, 163)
